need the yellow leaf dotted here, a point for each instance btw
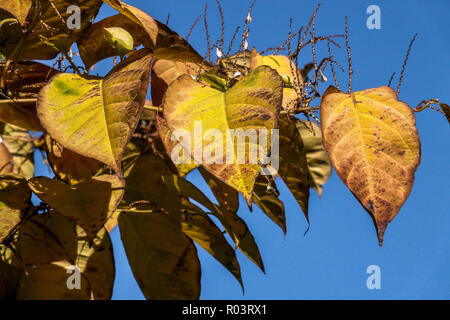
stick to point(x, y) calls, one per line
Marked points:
point(374, 146)
point(252, 103)
point(286, 69)
point(6, 160)
point(96, 117)
point(138, 16)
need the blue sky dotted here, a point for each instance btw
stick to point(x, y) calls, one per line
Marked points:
point(330, 262)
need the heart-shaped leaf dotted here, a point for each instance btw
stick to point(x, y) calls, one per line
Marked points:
point(252, 103)
point(374, 146)
point(96, 117)
point(88, 204)
point(18, 8)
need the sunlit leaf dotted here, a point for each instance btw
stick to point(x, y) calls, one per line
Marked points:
point(138, 16)
point(186, 163)
point(163, 259)
point(286, 69)
point(68, 165)
point(319, 164)
point(96, 117)
point(88, 204)
point(15, 198)
point(253, 103)
point(120, 39)
point(374, 146)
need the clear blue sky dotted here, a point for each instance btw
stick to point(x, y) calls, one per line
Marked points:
point(330, 261)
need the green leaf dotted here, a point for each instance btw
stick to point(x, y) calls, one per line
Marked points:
point(120, 39)
point(214, 81)
point(88, 204)
point(252, 103)
point(22, 151)
point(265, 196)
point(96, 117)
point(293, 163)
point(319, 164)
point(163, 259)
point(15, 198)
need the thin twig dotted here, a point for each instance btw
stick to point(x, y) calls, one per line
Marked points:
point(192, 27)
point(222, 26)
point(350, 69)
point(391, 78)
point(404, 63)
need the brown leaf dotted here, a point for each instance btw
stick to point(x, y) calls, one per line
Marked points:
point(374, 146)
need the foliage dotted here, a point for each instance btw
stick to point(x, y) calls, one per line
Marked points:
point(112, 151)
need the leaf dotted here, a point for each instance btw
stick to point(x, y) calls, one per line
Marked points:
point(48, 244)
point(88, 204)
point(48, 31)
point(201, 229)
point(68, 165)
point(319, 164)
point(186, 163)
point(138, 16)
point(146, 184)
point(286, 69)
point(374, 146)
point(214, 81)
point(6, 160)
point(293, 167)
point(253, 103)
point(238, 230)
point(94, 117)
point(22, 85)
point(163, 259)
point(238, 62)
point(10, 273)
point(120, 39)
point(93, 46)
point(15, 198)
point(446, 109)
point(21, 150)
point(265, 197)
point(18, 8)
